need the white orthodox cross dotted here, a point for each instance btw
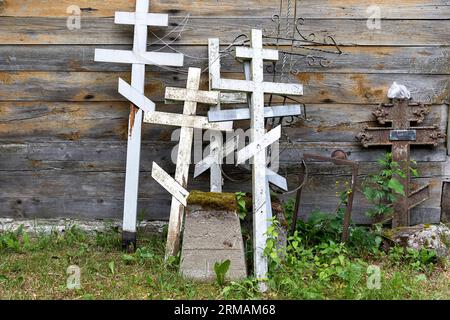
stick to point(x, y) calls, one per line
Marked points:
point(214, 159)
point(259, 139)
point(187, 121)
point(138, 57)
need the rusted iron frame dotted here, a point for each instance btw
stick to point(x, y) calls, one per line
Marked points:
point(349, 206)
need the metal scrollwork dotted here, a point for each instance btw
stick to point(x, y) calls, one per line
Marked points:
point(304, 48)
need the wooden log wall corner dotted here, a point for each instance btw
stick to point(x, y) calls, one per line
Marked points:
point(64, 126)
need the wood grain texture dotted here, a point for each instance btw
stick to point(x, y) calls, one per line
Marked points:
point(84, 194)
point(421, 60)
point(357, 9)
point(109, 156)
point(318, 87)
point(108, 121)
point(31, 30)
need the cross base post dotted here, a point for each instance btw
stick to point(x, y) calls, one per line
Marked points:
point(129, 241)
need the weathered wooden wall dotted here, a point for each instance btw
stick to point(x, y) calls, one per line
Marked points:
point(63, 124)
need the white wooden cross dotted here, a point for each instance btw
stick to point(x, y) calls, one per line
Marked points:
point(257, 88)
point(214, 159)
point(187, 121)
point(138, 57)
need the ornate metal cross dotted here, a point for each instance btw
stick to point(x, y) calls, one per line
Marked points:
point(400, 136)
point(138, 57)
point(257, 88)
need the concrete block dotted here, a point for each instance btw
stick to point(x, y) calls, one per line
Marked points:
point(211, 235)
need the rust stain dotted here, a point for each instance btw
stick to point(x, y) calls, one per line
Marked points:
point(165, 135)
point(6, 78)
point(35, 163)
point(154, 88)
point(380, 66)
point(73, 136)
point(89, 166)
point(318, 76)
point(362, 89)
point(305, 78)
point(133, 111)
point(424, 53)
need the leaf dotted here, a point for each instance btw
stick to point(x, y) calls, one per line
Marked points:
point(128, 259)
point(396, 186)
point(111, 267)
point(421, 277)
point(414, 172)
point(221, 269)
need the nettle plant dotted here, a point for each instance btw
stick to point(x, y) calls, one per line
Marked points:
point(382, 188)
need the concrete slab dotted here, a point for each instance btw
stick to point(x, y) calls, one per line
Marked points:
point(211, 235)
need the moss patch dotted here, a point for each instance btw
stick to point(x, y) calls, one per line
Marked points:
point(213, 200)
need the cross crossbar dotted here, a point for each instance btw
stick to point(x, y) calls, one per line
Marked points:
point(244, 113)
point(148, 58)
point(258, 145)
point(142, 18)
point(170, 184)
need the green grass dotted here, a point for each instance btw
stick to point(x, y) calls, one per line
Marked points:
point(34, 267)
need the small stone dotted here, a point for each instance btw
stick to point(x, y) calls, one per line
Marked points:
point(434, 237)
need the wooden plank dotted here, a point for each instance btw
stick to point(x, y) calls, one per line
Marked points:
point(411, 60)
point(72, 121)
point(432, 9)
point(136, 97)
point(319, 87)
point(141, 18)
point(96, 31)
point(109, 156)
point(170, 184)
point(74, 194)
point(277, 180)
point(258, 144)
point(152, 209)
point(293, 154)
point(149, 58)
point(249, 86)
point(109, 185)
point(244, 113)
point(188, 121)
point(339, 122)
point(181, 94)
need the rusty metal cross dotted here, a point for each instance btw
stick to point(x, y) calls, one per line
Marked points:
point(400, 136)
